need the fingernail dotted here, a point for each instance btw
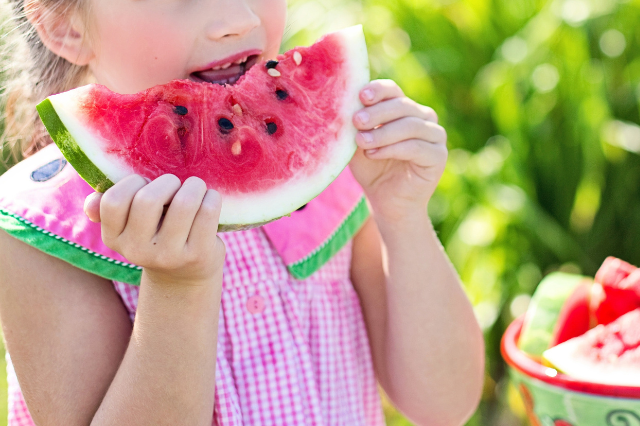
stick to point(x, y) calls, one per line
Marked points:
point(363, 117)
point(372, 151)
point(367, 94)
point(366, 137)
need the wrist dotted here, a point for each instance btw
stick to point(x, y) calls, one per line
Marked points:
point(413, 221)
point(176, 286)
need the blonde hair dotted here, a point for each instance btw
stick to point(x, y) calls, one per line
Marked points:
point(31, 72)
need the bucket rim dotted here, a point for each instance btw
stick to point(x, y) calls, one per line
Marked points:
point(518, 360)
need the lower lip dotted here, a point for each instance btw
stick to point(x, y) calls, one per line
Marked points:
point(247, 65)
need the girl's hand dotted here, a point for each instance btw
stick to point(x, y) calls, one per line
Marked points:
point(180, 246)
point(402, 151)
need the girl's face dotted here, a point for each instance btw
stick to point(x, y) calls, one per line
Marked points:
point(138, 44)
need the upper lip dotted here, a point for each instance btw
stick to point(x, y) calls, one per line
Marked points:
point(229, 60)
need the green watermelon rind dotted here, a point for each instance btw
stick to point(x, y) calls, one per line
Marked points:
point(70, 148)
point(544, 310)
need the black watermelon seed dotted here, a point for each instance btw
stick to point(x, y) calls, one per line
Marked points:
point(225, 125)
point(180, 110)
point(302, 208)
point(272, 64)
point(282, 95)
point(272, 128)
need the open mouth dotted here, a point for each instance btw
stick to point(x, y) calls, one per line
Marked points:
point(228, 73)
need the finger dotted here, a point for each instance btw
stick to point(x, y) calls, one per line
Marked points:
point(205, 224)
point(391, 110)
point(400, 130)
point(181, 213)
point(380, 90)
point(92, 206)
point(417, 151)
point(115, 204)
point(147, 207)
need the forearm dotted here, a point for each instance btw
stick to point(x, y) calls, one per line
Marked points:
point(167, 375)
point(433, 347)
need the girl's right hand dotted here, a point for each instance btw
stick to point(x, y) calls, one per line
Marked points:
point(179, 247)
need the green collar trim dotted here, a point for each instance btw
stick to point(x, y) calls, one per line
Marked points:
point(306, 266)
point(115, 270)
point(75, 254)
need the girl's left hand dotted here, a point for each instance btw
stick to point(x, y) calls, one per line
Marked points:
point(402, 151)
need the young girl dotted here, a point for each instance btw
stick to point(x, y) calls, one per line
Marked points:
point(219, 329)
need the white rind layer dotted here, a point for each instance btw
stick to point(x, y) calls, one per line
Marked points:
point(259, 207)
point(67, 106)
point(283, 199)
point(570, 358)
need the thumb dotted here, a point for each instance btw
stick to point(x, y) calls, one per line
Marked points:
point(92, 206)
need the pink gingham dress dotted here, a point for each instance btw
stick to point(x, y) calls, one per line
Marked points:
point(290, 351)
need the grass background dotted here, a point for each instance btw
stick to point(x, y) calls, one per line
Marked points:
point(541, 102)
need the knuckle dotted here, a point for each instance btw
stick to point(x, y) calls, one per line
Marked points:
point(445, 135)
point(212, 201)
point(144, 199)
point(417, 147)
point(181, 203)
point(208, 209)
point(170, 179)
point(417, 125)
point(109, 202)
point(406, 103)
point(196, 183)
point(109, 240)
point(431, 114)
point(387, 82)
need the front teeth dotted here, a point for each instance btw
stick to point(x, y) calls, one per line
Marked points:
point(225, 66)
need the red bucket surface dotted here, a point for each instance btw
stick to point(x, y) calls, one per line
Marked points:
point(527, 366)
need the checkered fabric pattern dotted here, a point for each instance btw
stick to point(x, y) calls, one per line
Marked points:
point(289, 352)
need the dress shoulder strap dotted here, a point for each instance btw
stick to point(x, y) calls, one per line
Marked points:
point(42, 198)
point(312, 235)
point(41, 204)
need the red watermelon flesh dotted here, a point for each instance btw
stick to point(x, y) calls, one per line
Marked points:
point(574, 319)
point(268, 144)
point(607, 354)
point(616, 290)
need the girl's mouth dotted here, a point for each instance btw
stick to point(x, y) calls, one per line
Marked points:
point(228, 73)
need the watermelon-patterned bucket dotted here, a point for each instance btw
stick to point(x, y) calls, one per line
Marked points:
point(554, 399)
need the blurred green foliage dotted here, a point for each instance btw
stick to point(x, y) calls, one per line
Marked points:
point(540, 99)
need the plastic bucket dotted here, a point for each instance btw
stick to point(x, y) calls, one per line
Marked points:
point(554, 399)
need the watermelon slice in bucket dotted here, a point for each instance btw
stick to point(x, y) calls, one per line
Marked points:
point(269, 144)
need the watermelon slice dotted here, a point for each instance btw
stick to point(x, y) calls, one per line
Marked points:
point(616, 290)
point(268, 144)
point(559, 310)
point(607, 354)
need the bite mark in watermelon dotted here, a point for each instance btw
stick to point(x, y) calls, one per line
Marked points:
point(607, 354)
point(269, 144)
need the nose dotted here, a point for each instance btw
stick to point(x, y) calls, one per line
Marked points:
point(233, 18)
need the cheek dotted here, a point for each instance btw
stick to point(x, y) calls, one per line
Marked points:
point(135, 52)
point(273, 15)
